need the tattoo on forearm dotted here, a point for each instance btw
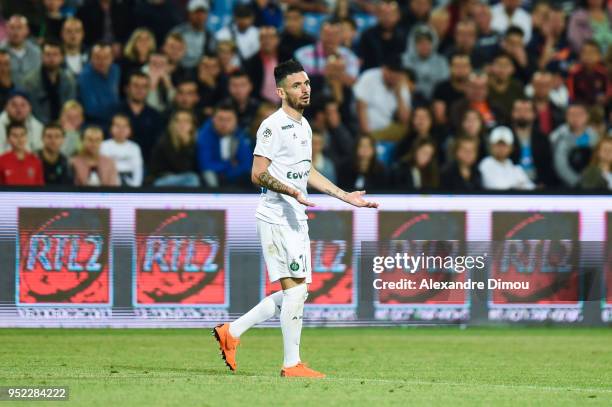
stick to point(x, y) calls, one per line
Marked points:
point(336, 193)
point(268, 181)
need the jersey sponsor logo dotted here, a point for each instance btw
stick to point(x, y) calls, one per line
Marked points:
point(298, 174)
point(287, 127)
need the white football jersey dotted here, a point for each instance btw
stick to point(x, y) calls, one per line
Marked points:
point(288, 144)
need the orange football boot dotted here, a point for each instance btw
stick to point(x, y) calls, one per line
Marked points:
point(227, 344)
point(301, 370)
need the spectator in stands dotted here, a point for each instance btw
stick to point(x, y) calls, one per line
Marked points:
point(187, 98)
point(503, 88)
point(260, 67)
point(588, 80)
point(572, 144)
point(224, 150)
point(415, 12)
point(487, 37)
point(90, 168)
point(512, 44)
point(50, 86)
point(385, 38)
point(267, 13)
point(363, 171)
point(466, 35)
point(549, 42)
point(509, 13)
point(52, 22)
point(532, 152)
point(55, 166)
point(473, 128)
point(419, 168)
point(6, 81)
point(320, 161)
point(108, 21)
point(349, 35)
point(477, 98)
point(71, 121)
point(430, 67)
point(136, 53)
point(228, 57)
point(461, 172)
point(245, 106)
point(338, 142)
point(146, 121)
point(293, 36)
point(497, 170)
point(25, 54)
point(159, 16)
point(211, 85)
point(173, 162)
point(99, 85)
point(439, 22)
point(591, 21)
point(548, 115)
point(19, 166)
point(382, 97)
point(161, 89)
point(124, 152)
point(309, 6)
point(598, 175)
point(75, 56)
point(198, 39)
point(242, 32)
point(421, 127)
point(19, 110)
point(175, 49)
point(453, 89)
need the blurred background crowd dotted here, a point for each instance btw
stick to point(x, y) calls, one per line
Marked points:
point(456, 95)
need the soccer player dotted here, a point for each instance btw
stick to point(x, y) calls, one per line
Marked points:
point(282, 166)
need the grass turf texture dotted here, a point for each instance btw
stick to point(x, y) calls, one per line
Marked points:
point(366, 366)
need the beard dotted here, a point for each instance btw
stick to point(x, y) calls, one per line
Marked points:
point(297, 103)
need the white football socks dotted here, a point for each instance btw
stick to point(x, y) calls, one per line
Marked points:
point(266, 309)
point(292, 310)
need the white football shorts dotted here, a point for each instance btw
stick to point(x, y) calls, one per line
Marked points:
point(286, 250)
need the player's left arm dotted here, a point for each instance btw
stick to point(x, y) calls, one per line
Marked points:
point(317, 181)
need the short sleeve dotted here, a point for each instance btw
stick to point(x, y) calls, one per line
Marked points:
point(361, 87)
point(267, 141)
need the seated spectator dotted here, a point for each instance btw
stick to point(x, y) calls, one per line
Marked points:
point(453, 89)
point(549, 41)
point(549, 115)
point(338, 142)
point(244, 105)
point(198, 39)
point(497, 170)
point(211, 84)
point(186, 98)
point(99, 85)
point(466, 36)
point(136, 53)
point(161, 88)
point(430, 67)
point(6, 81)
point(19, 166)
point(419, 168)
point(310, 6)
point(175, 49)
point(75, 56)
point(55, 166)
point(598, 175)
point(90, 168)
point(461, 172)
point(572, 145)
point(421, 127)
point(124, 152)
point(477, 98)
point(590, 21)
point(25, 54)
point(513, 45)
point(320, 161)
point(228, 57)
point(349, 34)
point(106, 21)
point(363, 171)
point(387, 37)
point(293, 36)
point(173, 162)
point(503, 88)
point(50, 86)
point(473, 128)
point(224, 150)
point(19, 110)
point(242, 32)
point(268, 13)
point(488, 38)
point(146, 122)
point(260, 67)
point(588, 80)
point(71, 121)
point(415, 12)
point(382, 95)
point(52, 22)
point(159, 16)
point(509, 13)
point(440, 24)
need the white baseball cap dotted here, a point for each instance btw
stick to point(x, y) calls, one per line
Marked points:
point(503, 134)
point(197, 5)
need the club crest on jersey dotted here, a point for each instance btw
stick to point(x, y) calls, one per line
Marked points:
point(294, 266)
point(267, 133)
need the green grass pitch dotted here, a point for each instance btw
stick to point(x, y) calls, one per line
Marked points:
point(365, 366)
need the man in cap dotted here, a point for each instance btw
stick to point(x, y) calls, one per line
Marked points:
point(198, 39)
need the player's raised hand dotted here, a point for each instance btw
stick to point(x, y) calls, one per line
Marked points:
point(356, 198)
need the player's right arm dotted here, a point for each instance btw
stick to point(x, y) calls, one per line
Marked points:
point(261, 177)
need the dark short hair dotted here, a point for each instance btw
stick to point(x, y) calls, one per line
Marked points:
point(513, 29)
point(137, 74)
point(52, 126)
point(239, 73)
point(15, 125)
point(52, 43)
point(225, 105)
point(284, 69)
point(242, 11)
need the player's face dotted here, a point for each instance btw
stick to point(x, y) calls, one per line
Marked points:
point(296, 91)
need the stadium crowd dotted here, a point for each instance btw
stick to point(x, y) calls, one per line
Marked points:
point(406, 94)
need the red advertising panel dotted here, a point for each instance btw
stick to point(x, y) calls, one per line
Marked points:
point(180, 257)
point(63, 256)
point(331, 246)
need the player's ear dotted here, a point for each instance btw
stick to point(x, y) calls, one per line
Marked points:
point(280, 92)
